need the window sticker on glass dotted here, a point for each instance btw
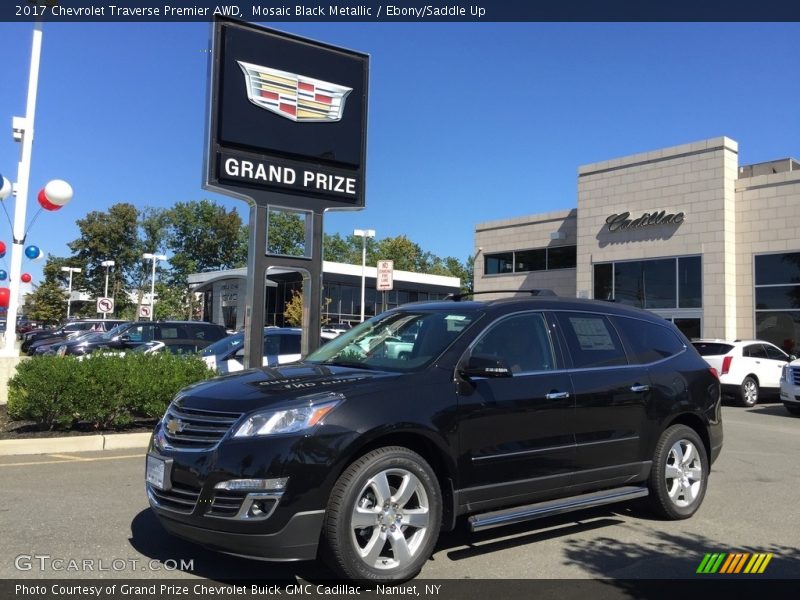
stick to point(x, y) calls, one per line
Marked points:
point(592, 333)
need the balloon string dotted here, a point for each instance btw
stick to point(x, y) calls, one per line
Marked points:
point(5, 210)
point(30, 225)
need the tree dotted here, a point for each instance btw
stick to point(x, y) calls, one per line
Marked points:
point(293, 311)
point(111, 235)
point(286, 233)
point(47, 304)
point(204, 236)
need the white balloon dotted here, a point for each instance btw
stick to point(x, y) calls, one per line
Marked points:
point(5, 189)
point(58, 192)
point(40, 256)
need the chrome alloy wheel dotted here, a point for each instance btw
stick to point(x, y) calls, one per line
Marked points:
point(390, 519)
point(750, 392)
point(683, 473)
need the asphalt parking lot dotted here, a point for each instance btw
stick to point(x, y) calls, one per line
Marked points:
point(92, 506)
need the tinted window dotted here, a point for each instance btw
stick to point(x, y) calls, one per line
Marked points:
point(141, 333)
point(777, 268)
point(521, 341)
point(591, 340)
point(205, 331)
point(774, 354)
point(712, 348)
point(603, 278)
point(690, 287)
point(498, 263)
point(562, 257)
point(531, 260)
point(754, 351)
point(290, 344)
point(648, 342)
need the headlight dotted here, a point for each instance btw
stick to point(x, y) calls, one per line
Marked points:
point(784, 372)
point(290, 420)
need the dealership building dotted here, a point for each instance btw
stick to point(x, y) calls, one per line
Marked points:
point(685, 232)
point(223, 293)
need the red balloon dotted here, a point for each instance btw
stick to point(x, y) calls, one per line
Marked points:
point(25, 277)
point(2, 248)
point(45, 203)
point(5, 296)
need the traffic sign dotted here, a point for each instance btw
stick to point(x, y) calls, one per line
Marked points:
point(145, 311)
point(385, 281)
point(105, 305)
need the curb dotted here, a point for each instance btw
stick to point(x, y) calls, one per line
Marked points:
point(85, 443)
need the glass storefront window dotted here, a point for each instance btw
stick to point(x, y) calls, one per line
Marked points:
point(651, 284)
point(782, 328)
point(603, 281)
point(690, 282)
point(498, 263)
point(530, 260)
point(772, 269)
point(778, 297)
point(562, 257)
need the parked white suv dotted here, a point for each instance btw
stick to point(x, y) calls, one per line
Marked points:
point(747, 369)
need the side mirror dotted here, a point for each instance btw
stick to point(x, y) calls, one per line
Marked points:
point(792, 358)
point(485, 365)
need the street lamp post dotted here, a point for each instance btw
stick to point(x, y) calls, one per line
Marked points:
point(363, 234)
point(155, 258)
point(70, 270)
point(107, 264)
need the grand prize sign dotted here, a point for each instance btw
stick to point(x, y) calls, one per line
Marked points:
point(286, 130)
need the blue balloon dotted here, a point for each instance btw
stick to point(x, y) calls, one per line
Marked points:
point(3, 275)
point(32, 252)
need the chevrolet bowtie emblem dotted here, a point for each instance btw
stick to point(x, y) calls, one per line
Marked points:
point(293, 96)
point(174, 426)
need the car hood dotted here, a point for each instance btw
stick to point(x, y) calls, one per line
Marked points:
point(278, 386)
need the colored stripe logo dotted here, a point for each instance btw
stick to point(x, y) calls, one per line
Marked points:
point(734, 563)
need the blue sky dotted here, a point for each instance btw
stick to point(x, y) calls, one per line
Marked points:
point(467, 122)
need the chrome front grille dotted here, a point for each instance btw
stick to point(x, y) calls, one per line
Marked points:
point(794, 375)
point(180, 499)
point(196, 429)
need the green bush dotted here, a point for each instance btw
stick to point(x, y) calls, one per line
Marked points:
point(104, 390)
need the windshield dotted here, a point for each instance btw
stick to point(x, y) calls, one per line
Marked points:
point(395, 341)
point(224, 345)
point(112, 333)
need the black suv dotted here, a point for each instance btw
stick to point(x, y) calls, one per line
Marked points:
point(191, 336)
point(45, 337)
point(503, 411)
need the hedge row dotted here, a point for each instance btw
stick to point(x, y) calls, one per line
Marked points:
point(104, 390)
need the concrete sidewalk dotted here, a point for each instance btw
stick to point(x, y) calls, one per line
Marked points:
point(75, 443)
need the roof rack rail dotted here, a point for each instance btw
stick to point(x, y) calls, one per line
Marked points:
point(532, 292)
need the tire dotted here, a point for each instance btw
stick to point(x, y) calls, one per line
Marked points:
point(793, 410)
point(748, 392)
point(383, 487)
point(679, 474)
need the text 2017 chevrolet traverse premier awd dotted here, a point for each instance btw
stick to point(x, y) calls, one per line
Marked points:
point(502, 411)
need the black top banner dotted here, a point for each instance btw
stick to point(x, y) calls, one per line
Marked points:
point(260, 11)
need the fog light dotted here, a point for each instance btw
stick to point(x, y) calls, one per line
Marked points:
point(234, 485)
point(257, 510)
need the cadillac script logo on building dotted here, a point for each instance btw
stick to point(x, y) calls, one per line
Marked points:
point(295, 97)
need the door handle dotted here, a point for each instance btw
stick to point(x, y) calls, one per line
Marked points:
point(557, 395)
point(640, 388)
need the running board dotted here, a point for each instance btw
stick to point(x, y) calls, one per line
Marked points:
point(518, 514)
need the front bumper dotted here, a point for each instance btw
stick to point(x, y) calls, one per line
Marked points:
point(790, 393)
point(288, 522)
point(297, 540)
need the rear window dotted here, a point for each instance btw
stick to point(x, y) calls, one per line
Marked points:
point(648, 342)
point(712, 348)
